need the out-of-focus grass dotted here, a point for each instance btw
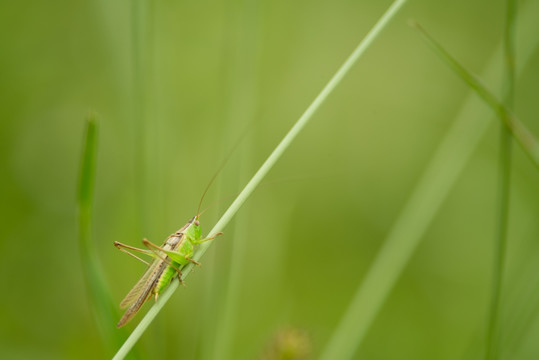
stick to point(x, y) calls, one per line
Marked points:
point(492, 349)
point(99, 297)
point(520, 132)
point(511, 125)
point(405, 235)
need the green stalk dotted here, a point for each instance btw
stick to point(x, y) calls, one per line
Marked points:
point(518, 129)
point(99, 294)
point(264, 169)
point(493, 338)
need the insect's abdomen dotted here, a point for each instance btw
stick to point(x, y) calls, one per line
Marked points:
point(166, 277)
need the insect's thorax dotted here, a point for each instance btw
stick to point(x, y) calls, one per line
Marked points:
point(174, 241)
point(191, 229)
point(181, 240)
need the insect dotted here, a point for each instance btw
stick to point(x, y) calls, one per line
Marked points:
point(176, 251)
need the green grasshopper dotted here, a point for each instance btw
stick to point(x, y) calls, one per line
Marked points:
point(176, 251)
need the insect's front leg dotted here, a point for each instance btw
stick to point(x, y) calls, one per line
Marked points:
point(200, 241)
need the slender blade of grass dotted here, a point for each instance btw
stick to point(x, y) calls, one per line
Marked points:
point(521, 133)
point(493, 338)
point(103, 309)
point(264, 169)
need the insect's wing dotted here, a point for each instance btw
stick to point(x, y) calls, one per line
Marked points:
point(140, 287)
point(134, 308)
point(140, 293)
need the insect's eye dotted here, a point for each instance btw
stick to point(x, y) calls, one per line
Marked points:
point(197, 223)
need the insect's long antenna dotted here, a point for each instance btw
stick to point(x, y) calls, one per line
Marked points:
point(217, 202)
point(263, 185)
point(221, 167)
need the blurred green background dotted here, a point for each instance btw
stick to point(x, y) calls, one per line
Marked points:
point(174, 84)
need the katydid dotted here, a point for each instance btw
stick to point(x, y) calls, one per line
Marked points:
point(176, 251)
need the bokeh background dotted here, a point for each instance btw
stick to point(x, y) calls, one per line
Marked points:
point(174, 84)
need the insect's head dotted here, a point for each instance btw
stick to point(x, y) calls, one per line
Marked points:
point(194, 228)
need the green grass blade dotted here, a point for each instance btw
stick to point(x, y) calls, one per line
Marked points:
point(518, 129)
point(101, 303)
point(264, 169)
point(493, 338)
